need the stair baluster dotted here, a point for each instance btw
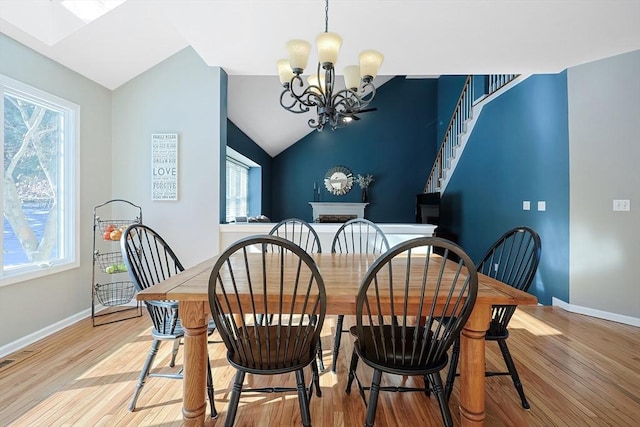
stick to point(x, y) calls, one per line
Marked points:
point(462, 114)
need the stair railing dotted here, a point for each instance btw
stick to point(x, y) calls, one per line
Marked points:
point(451, 139)
point(495, 82)
point(457, 126)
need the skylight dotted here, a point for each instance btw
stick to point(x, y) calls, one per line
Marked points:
point(54, 20)
point(90, 10)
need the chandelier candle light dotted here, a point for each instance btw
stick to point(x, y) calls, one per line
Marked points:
point(334, 109)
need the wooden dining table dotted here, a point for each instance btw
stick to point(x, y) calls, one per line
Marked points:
point(342, 275)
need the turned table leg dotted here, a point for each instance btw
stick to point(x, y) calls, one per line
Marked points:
point(194, 322)
point(472, 366)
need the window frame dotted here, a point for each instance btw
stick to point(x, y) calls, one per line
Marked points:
point(246, 168)
point(69, 176)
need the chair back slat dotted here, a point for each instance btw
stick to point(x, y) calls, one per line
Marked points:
point(278, 280)
point(359, 235)
point(149, 261)
point(388, 330)
point(513, 259)
point(299, 232)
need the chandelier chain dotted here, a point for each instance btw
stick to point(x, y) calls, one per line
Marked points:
point(326, 16)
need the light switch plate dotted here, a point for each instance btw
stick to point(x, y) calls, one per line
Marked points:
point(526, 205)
point(622, 205)
point(542, 205)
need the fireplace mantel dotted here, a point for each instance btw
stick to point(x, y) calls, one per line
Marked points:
point(337, 208)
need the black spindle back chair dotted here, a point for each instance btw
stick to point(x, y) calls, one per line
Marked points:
point(271, 276)
point(150, 260)
point(399, 328)
point(299, 232)
point(513, 259)
point(359, 236)
point(302, 234)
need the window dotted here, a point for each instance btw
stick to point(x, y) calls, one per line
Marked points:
point(243, 195)
point(40, 230)
point(237, 189)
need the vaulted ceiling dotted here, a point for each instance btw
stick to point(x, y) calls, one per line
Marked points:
point(246, 37)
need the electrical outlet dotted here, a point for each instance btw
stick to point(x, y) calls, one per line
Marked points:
point(622, 205)
point(542, 205)
point(526, 205)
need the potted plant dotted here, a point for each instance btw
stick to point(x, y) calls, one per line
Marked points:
point(364, 182)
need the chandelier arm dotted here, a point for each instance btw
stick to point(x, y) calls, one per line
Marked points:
point(368, 97)
point(296, 81)
point(313, 96)
point(348, 100)
point(295, 106)
point(315, 124)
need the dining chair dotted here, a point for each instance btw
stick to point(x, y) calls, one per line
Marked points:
point(513, 259)
point(400, 331)
point(299, 232)
point(149, 260)
point(362, 236)
point(279, 280)
point(302, 234)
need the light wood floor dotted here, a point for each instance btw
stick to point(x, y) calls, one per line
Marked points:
point(576, 370)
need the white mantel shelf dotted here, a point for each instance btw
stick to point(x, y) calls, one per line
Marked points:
point(337, 208)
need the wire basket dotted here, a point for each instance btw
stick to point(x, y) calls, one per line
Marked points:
point(109, 259)
point(108, 225)
point(116, 293)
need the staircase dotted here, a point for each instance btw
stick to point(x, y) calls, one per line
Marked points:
point(461, 125)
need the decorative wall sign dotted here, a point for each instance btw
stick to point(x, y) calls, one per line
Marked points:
point(164, 166)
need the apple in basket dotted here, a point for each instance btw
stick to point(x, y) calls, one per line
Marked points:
point(107, 231)
point(115, 234)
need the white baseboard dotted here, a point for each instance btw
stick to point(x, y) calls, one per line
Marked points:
point(42, 333)
point(20, 343)
point(620, 318)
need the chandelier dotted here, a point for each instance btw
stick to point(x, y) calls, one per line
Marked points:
point(334, 109)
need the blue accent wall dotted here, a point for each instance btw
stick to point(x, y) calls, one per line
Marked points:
point(396, 144)
point(519, 150)
point(449, 89)
point(480, 86)
point(244, 145)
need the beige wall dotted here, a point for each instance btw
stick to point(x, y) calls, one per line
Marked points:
point(604, 138)
point(180, 95)
point(33, 305)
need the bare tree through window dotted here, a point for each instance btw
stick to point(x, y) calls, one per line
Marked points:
point(36, 136)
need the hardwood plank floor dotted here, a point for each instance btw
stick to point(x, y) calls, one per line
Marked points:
point(576, 371)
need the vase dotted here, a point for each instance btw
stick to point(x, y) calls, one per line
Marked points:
point(365, 196)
